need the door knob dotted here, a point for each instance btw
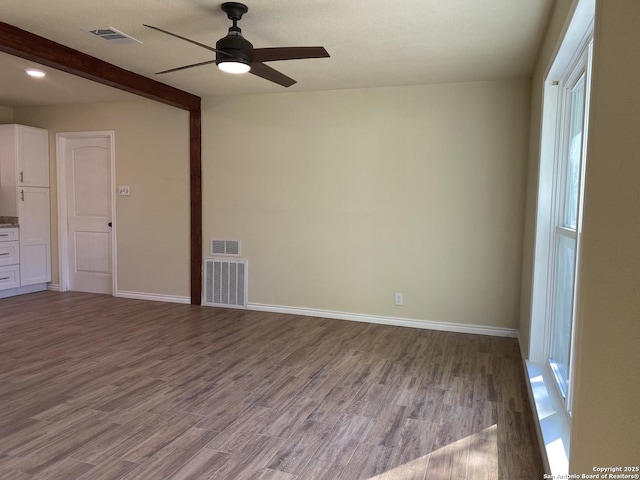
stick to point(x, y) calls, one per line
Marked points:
point(109, 224)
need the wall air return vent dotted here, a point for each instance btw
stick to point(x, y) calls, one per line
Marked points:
point(226, 282)
point(113, 35)
point(225, 247)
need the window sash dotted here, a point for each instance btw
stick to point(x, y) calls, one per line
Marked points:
point(566, 216)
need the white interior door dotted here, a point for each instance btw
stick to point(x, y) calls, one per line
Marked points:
point(88, 188)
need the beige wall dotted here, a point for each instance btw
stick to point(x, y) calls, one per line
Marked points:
point(342, 198)
point(606, 420)
point(152, 156)
point(6, 115)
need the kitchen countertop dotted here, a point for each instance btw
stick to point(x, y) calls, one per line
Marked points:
point(8, 222)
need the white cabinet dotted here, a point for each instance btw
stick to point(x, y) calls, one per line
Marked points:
point(9, 253)
point(9, 258)
point(35, 248)
point(24, 162)
point(9, 277)
point(9, 235)
point(24, 193)
point(33, 156)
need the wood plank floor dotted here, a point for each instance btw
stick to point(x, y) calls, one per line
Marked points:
point(96, 387)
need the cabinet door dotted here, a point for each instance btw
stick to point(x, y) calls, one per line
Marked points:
point(9, 253)
point(35, 241)
point(9, 277)
point(33, 157)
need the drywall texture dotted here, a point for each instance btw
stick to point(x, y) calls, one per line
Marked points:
point(547, 52)
point(152, 157)
point(341, 198)
point(6, 115)
point(606, 424)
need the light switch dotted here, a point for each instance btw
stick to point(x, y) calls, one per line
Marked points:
point(124, 190)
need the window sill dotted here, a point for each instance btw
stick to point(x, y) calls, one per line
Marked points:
point(552, 420)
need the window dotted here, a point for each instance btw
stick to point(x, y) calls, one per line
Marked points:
point(565, 114)
point(560, 195)
point(566, 213)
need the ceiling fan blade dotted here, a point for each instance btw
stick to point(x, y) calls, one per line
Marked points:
point(268, 73)
point(286, 53)
point(186, 66)
point(187, 40)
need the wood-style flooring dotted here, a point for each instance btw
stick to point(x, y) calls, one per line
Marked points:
point(94, 387)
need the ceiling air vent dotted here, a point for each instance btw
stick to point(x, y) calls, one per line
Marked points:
point(225, 247)
point(113, 35)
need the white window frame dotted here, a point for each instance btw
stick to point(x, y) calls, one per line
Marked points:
point(579, 66)
point(550, 194)
point(552, 408)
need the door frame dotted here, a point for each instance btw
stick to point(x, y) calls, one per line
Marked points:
point(63, 234)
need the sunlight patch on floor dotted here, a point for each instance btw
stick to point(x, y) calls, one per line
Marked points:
point(474, 456)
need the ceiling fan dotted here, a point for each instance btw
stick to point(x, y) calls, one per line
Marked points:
point(235, 54)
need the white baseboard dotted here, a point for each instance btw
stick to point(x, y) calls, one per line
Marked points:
point(394, 321)
point(53, 287)
point(39, 287)
point(355, 317)
point(154, 297)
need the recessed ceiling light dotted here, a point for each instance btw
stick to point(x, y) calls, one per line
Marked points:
point(35, 73)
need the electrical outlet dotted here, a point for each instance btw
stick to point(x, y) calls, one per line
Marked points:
point(124, 190)
point(399, 298)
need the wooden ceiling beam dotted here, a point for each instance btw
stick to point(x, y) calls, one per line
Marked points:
point(23, 44)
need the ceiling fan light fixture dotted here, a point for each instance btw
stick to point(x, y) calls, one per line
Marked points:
point(233, 66)
point(235, 54)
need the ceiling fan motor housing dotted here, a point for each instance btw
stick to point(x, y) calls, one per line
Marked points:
point(235, 45)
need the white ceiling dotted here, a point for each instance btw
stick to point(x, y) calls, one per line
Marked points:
point(372, 43)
